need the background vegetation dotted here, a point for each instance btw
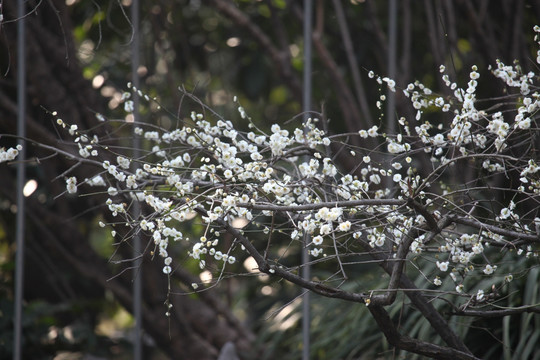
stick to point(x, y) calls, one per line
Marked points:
point(77, 291)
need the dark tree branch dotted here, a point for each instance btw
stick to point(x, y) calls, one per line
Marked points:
point(523, 238)
point(416, 346)
point(422, 304)
point(495, 313)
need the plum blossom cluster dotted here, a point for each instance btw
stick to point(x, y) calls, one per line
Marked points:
point(9, 154)
point(424, 197)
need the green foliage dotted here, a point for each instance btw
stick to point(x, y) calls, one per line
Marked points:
point(346, 331)
point(187, 44)
point(338, 331)
point(52, 329)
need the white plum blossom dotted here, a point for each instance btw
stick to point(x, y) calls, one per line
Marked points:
point(345, 226)
point(123, 162)
point(9, 154)
point(443, 266)
point(375, 178)
point(489, 269)
point(129, 106)
point(373, 131)
point(71, 185)
point(96, 181)
point(272, 187)
point(480, 295)
point(317, 240)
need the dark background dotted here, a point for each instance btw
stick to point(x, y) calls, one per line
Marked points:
point(77, 301)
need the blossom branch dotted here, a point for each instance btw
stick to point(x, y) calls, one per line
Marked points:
point(524, 237)
point(494, 313)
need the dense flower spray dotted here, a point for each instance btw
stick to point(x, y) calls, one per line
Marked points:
point(402, 204)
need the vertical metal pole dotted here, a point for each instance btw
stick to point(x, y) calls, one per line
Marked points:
point(392, 55)
point(21, 177)
point(306, 270)
point(137, 274)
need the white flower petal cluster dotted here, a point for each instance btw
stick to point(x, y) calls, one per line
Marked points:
point(71, 185)
point(283, 184)
point(96, 181)
point(9, 154)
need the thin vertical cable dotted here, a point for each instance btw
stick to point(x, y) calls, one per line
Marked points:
point(137, 262)
point(21, 177)
point(392, 54)
point(306, 270)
